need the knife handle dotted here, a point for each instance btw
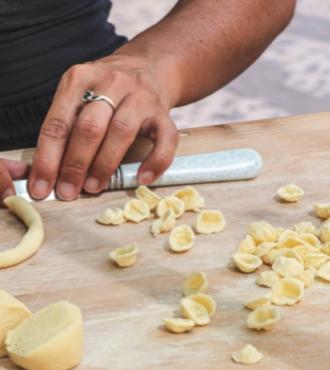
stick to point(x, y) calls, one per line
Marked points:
point(229, 165)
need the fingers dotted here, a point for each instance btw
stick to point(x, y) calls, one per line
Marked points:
point(164, 134)
point(86, 137)
point(17, 169)
point(56, 129)
point(6, 183)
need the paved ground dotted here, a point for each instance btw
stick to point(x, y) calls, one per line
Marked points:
point(291, 77)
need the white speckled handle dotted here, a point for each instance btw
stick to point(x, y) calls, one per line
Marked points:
point(229, 165)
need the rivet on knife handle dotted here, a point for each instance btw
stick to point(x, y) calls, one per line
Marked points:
point(229, 165)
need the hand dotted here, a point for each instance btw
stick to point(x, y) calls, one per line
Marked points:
point(79, 147)
point(9, 171)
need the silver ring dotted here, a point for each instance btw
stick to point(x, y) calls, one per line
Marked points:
point(90, 96)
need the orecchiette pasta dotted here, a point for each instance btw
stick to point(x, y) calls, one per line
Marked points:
point(205, 300)
point(326, 248)
point(267, 279)
point(287, 267)
point(315, 260)
point(150, 197)
point(170, 202)
point(194, 311)
point(324, 272)
point(263, 248)
point(263, 318)
point(304, 227)
point(262, 231)
point(307, 277)
point(164, 223)
point(290, 193)
point(258, 302)
point(195, 283)
point(181, 238)
point(124, 256)
point(288, 291)
point(136, 210)
point(322, 210)
point(247, 262)
point(178, 325)
point(247, 245)
point(247, 355)
point(210, 221)
point(112, 216)
point(324, 231)
point(290, 239)
point(191, 198)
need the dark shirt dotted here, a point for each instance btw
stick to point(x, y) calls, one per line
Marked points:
point(41, 39)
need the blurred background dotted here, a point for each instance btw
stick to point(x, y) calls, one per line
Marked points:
point(291, 77)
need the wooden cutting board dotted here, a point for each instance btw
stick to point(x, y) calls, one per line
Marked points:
point(123, 308)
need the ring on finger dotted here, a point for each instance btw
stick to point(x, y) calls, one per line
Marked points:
point(89, 97)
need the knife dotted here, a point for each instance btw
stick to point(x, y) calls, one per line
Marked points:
point(228, 165)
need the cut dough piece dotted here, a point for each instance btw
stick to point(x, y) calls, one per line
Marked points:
point(324, 272)
point(195, 283)
point(267, 279)
point(179, 325)
point(287, 267)
point(315, 260)
point(33, 238)
point(322, 210)
point(12, 312)
point(288, 291)
point(262, 231)
point(125, 256)
point(290, 239)
point(304, 250)
point(210, 221)
point(247, 245)
point(307, 277)
point(194, 311)
point(247, 262)
point(191, 198)
point(181, 238)
point(136, 210)
point(324, 231)
point(205, 300)
point(111, 216)
point(290, 193)
point(170, 202)
point(247, 355)
point(263, 248)
point(305, 227)
point(150, 197)
point(311, 239)
point(270, 257)
point(263, 318)
point(51, 339)
point(163, 224)
point(258, 302)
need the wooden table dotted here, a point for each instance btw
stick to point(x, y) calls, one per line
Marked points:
point(123, 308)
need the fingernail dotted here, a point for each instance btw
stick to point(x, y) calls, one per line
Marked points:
point(92, 184)
point(66, 191)
point(39, 188)
point(146, 177)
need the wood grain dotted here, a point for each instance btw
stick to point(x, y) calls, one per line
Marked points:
point(123, 308)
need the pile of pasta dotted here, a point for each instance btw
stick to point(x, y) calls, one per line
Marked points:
point(167, 211)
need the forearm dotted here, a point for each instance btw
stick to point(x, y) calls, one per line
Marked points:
point(202, 45)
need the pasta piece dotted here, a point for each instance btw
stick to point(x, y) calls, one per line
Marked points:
point(324, 272)
point(263, 318)
point(179, 325)
point(268, 279)
point(247, 262)
point(150, 197)
point(194, 311)
point(210, 221)
point(136, 210)
point(247, 245)
point(247, 355)
point(287, 267)
point(326, 248)
point(279, 231)
point(315, 260)
point(290, 193)
point(195, 283)
point(324, 231)
point(181, 238)
point(125, 256)
point(170, 202)
point(191, 198)
point(258, 302)
point(111, 216)
point(290, 239)
point(288, 291)
point(262, 231)
point(305, 227)
point(304, 250)
point(322, 210)
point(163, 224)
point(270, 257)
point(33, 238)
point(12, 312)
point(263, 248)
point(205, 300)
point(311, 239)
point(50, 339)
point(307, 277)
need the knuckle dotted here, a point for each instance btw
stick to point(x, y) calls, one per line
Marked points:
point(122, 127)
point(55, 128)
point(74, 167)
point(89, 128)
point(76, 72)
